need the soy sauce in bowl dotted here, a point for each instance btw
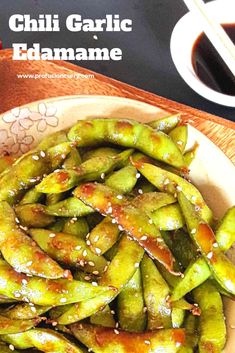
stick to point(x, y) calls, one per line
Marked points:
point(209, 66)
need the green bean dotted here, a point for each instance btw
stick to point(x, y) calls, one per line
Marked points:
point(93, 169)
point(225, 232)
point(118, 274)
point(129, 218)
point(24, 311)
point(130, 134)
point(45, 340)
point(69, 250)
point(103, 317)
point(45, 292)
point(21, 252)
point(123, 180)
point(171, 183)
point(180, 136)
point(31, 196)
point(131, 312)
point(166, 124)
point(70, 207)
point(212, 329)
point(100, 152)
point(33, 215)
point(108, 340)
point(168, 217)
point(8, 326)
point(76, 226)
point(221, 267)
point(156, 293)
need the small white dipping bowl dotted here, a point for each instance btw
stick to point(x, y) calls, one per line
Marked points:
point(183, 37)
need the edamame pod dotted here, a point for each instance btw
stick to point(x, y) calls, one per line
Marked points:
point(225, 232)
point(130, 134)
point(8, 326)
point(166, 124)
point(180, 136)
point(107, 340)
point(33, 215)
point(70, 207)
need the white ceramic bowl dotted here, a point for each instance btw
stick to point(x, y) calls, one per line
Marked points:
point(183, 38)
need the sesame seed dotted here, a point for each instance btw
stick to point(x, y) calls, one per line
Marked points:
point(112, 312)
point(117, 325)
point(197, 208)
point(114, 221)
point(150, 221)
point(209, 255)
point(97, 237)
point(166, 181)
point(95, 284)
point(89, 350)
point(147, 342)
point(82, 263)
point(98, 251)
point(178, 344)
point(36, 158)
point(33, 309)
point(24, 281)
point(140, 191)
point(179, 188)
point(63, 300)
point(179, 143)
point(193, 231)
point(109, 210)
point(102, 175)
point(52, 235)
point(29, 263)
point(87, 278)
point(17, 220)
point(193, 198)
point(215, 245)
point(54, 323)
point(144, 237)
point(119, 197)
point(145, 309)
point(84, 253)
point(17, 295)
point(232, 326)
point(91, 263)
point(42, 154)
point(116, 331)
point(11, 347)
point(120, 227)
point(88, 242)
point(78, 247)
point(138, 175)
point(95, 273)
point(137, 265)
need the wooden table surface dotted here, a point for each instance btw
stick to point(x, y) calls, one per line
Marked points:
point(15, 91)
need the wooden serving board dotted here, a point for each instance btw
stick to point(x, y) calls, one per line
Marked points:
point(16, 91)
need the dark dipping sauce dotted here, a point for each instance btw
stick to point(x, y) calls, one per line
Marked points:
point(209, 66)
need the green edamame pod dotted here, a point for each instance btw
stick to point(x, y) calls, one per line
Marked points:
point(212, 329)
point(103, 318)
point(191, 338)
point(70, 207)
point(20, 251)
point(119, 272)
point(166, 124)
point(46, 292)
point(171, 183)
point(108, 340)
point(53, 139)
point(156, 293)
point(225, 232)
point(130, 134)
point(72, 160)
point(8, 326)
point(196, 273)
point(131, 313)
point(130, 218)
point(180, 136)
point(100, 152)
point(45, 340)
point(190, 155)
point(69, 250)
point(33, 215)
point(24, 311)
point(92, 169)
point(76, 226)
point(222, 269)
point(123, 180)
point(103, 236)
point(168, 217)
point(152, 201)
point(31, 196)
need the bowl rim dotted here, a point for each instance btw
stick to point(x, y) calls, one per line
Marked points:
point(188, 28)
